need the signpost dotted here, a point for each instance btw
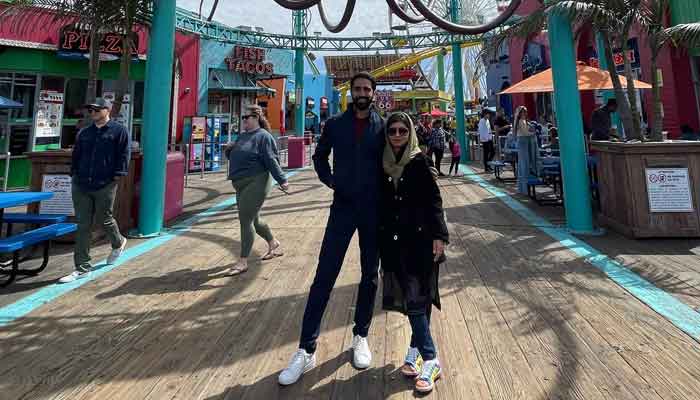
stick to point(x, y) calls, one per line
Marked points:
point(62, 200)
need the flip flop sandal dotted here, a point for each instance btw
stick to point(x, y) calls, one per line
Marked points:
point(272, 254)
point(237, 270)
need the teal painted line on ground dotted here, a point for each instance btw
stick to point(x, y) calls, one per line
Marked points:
point(678, 313)
point(49, 293)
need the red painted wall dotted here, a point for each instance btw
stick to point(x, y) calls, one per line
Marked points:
point(187, 51)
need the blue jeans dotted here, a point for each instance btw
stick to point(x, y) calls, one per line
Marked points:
point(527, 148)
point(343, 222)
point(420, 337)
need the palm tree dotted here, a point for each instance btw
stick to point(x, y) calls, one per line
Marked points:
point(653, 16)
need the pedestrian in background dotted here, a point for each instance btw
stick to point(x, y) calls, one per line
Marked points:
point(437, 144)
point(456, 155)
point(252, 158)
point(486, 138)
point(100, 158)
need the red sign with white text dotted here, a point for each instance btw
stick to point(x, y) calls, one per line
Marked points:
point(249, 60)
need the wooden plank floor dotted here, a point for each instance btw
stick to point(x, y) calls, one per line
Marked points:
point(522, 318)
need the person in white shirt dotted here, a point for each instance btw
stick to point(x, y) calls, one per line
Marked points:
point(527, 149)
point(486, 138)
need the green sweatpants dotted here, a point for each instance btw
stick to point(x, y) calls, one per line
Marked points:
point(93, 207)
point(250, 195)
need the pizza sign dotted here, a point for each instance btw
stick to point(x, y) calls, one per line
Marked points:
point(249, 60)
point(75, 40)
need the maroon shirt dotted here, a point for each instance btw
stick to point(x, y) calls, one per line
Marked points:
point(360, 125)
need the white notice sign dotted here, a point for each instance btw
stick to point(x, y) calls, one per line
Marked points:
point(669, 190)
point(62, 200)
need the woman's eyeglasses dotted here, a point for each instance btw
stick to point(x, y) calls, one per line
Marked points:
point(397, 131)
point(245, 117)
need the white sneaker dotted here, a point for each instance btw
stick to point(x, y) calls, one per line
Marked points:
point(361, 355)
point(74, 276)
point(301, 363)
point(116, 253)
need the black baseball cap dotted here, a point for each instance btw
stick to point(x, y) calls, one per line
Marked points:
point(99, 103)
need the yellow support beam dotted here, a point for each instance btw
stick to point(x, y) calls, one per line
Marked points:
point(406, 61)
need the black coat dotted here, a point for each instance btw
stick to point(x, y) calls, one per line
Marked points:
point(411, 218)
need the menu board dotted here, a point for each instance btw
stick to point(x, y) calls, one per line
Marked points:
point(62, 200)
point(199, 128)
point(47, 125)
point(124, 116)
point(669, 190)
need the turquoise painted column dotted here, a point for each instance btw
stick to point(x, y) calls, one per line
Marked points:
point(156, 117)
point(459, 89)
point(441, 77)
point(574, 164)
point(299, 74)
point(603, 63)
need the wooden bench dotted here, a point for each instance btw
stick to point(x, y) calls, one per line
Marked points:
point(14, 244)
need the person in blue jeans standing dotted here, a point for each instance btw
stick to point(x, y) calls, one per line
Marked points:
point(356, 139)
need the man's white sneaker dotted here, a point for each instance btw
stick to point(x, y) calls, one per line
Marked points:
point(74, 276)
point(301, 363)
point(361, 355)
point(116, 253)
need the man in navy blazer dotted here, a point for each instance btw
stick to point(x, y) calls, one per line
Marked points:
point(356, 139)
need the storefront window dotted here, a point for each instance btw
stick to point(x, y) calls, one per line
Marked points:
point(219, 103)
point(74, 98)
point(24, 90)
point(138, 100)
point(6, 85)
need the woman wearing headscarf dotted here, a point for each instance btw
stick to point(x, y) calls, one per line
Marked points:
point(527, 148)
point(252, 159)
point(412, 238)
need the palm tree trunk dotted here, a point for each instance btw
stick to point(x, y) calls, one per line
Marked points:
point(631, 94)
point(94, 64)
point(656, 91)
point(623, 107)
point(125, 64)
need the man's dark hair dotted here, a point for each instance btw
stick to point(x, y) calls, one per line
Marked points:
point(485, 112)
point(363, 75)
point(437, 123)
point(611, 103)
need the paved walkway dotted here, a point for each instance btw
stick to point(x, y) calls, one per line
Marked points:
point(523, 317)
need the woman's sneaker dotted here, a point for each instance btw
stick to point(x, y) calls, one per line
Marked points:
point(301, 363)
point(431, 372)
point(413, 363)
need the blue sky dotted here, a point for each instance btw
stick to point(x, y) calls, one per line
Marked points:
point(369, 16)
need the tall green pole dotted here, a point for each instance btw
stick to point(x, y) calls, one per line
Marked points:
point(156, 117)
point(574, 164)
point(441, 77)
point(459, 87)
point(299, 32)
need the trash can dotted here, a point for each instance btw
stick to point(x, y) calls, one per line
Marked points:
point(296, 152)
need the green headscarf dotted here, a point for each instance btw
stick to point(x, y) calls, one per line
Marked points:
point(392, 166)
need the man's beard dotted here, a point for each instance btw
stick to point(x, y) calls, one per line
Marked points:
point(362, 103)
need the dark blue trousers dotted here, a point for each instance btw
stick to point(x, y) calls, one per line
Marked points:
point(421, 338)
point(344, 220)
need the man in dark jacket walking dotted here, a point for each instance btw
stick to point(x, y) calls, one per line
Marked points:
point(100, 157)
point(356, 139)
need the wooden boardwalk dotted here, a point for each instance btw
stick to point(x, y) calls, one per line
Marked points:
point(523, 318)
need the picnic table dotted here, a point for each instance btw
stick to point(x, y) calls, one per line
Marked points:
point(42, 235)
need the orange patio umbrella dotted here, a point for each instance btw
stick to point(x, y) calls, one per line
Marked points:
point(589, 78)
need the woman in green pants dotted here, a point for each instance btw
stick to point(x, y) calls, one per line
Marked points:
point(252, 159)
